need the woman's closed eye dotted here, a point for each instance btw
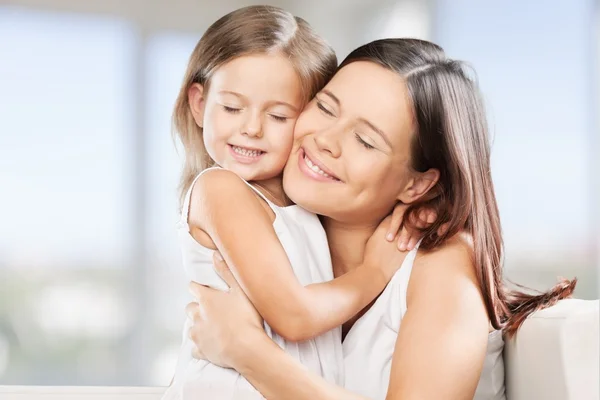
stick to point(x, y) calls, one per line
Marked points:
point(324, 109)
point(367, 145)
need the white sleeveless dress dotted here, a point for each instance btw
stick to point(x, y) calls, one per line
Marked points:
point(369, 346)
point(303, 238)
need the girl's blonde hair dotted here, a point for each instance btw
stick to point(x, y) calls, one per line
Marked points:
point(248, 30)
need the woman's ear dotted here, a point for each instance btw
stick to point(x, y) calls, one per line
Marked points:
point(196, 99)
point(420, 186)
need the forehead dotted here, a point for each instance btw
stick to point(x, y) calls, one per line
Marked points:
point(377, 94)
point(262, 77)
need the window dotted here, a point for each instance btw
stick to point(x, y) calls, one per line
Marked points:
point(65, 237)
point(166, 59)
point(535, 75)
point(86, 142)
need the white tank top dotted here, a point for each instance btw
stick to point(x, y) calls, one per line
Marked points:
point(303, 238)
point(369, 346)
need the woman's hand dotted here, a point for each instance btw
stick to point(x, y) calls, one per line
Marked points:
point(223, 323)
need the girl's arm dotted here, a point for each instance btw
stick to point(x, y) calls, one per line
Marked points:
point(228, 331)
point(241, 227)
point(438, 355)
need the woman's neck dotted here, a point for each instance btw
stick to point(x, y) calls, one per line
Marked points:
point(347, 244)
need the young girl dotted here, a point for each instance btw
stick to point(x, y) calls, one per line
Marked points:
point(248, 79)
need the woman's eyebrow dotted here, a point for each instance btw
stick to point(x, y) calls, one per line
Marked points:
point(332, 96)
point(376, 130)
point(362, 120)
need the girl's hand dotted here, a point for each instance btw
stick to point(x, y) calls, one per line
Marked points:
point(407, 238)
point(223, 323)
point(383, 254)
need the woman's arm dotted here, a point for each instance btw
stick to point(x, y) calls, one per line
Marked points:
point(442, 340)
point(276, 375)
point(238, 223)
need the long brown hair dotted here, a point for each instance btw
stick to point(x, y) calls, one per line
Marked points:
point(452, 137)
point(248, 30)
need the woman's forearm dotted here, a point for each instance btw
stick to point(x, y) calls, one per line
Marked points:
point(276, 375)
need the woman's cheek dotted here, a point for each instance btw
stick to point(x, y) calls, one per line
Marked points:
point(307, 122)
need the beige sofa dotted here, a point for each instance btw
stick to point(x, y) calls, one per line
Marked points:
point(555, 356)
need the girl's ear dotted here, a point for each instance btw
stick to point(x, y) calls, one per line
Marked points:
point(197, 103)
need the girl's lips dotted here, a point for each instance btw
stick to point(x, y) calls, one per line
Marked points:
point(245, 158)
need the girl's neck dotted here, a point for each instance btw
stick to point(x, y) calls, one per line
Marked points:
point(347, 243)
point(273, 190)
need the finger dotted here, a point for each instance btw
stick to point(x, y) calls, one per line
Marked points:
point(394, 226)
point(427, 216)
point(396, 221)
point(412, 243)
point(195, 330)
point(224, 271)
point(443, 229)
point(403, 239)
point(192, 310)
point(200, 292)
point(421, 220)
point(431, 217)
point(412, 232)
point(197, 354)
point(195, 287)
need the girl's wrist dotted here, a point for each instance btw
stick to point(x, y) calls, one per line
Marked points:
point(378, 273)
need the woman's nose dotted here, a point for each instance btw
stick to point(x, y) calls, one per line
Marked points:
point(329, 142)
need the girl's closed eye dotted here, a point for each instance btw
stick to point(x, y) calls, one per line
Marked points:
point(279, 118)
point(231, 110)
point(362, 142)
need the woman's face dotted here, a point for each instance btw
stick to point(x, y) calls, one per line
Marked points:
point(351, 154)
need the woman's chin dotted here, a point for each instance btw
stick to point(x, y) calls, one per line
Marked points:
point(314, 195)
point(306, 197)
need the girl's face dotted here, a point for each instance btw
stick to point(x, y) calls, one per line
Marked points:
point(248, 113)
point(351, 154)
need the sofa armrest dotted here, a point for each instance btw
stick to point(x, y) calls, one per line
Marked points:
point(80, 393)
point(555, 354)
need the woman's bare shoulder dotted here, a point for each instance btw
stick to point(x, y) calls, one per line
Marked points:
point(448, 269)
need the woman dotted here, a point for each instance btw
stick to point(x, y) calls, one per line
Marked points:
point(399, 122)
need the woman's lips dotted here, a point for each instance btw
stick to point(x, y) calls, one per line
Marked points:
point(314, 169)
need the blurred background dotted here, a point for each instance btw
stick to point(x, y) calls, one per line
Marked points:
point(91, 287)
